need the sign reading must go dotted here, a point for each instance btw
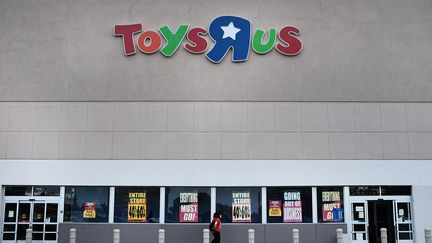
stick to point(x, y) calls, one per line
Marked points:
point(227, 32)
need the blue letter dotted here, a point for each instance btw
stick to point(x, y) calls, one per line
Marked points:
point(229, 32)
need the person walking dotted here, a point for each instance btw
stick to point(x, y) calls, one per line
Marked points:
point(217, 227)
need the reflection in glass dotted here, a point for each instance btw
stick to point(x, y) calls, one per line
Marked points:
point(284, 205)
point(405, 236)
point(38, 227)
point(364, 190)
point(37, 236)
point(127, 199)
point(192, 207)
point(359, 213)
point(404, 227)
point(227, 197)
point(8, 236)
point(51, 228)
point(9, 227)
point(396, 190)
point(21, 232)
point(330, 204)
point(86, 204)
point(10, 212)
point(403, 212)
point(52, 212)
point(50, 236)
point(46, 191)
point(18, 191)
point(38, 212)
point(24, 212)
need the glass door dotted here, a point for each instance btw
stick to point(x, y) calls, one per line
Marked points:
point(359, 222)
point(10, 222)
point(403, 221)
point(381, 215)
point(40, 216)
point(24, 219)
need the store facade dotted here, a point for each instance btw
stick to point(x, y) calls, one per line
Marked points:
point(142, 115)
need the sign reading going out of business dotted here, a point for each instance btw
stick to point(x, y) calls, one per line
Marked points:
point(188, 207)
point(227, 32)
point(137, 207)
point(292, 207)
point(241, 207)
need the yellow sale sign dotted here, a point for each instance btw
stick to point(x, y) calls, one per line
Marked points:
point(89, 211)
point(137, 207)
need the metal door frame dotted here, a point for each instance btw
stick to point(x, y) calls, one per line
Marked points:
point(365, 199)
point(32, 200)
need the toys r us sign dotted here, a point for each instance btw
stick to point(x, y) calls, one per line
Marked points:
point(227, 32)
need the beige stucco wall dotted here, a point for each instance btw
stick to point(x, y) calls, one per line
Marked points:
point(64, 50)
point(215, 130)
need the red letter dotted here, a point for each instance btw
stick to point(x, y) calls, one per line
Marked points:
point(127, 32)
point(199, 44)
point(286, 35)
point(155, 42)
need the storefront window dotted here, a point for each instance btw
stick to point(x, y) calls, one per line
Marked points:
point(364, 190)
point(396, 190)
point(46, 191)
point(187, 205)
point(86, 204)
point(136, 205)
point(380, 190)
point(32, 190)
point(18, 191)
point(289, 205)
point(330, 204)
point(239, 204)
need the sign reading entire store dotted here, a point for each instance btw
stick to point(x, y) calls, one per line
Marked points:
point(227, 32)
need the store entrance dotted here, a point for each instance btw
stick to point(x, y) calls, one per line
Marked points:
point(371, 213)
point(39, 215)
point(381, 216)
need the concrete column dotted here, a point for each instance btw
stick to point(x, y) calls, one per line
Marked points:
point(264, 205)
point(383, 235)
point(111, 205)
point(72, 236)
point(296, 237)
point(212, 201)
point(339, 236)
point(251, 235)
point(116, 236)
point(162, 206)
point(206, 236)
point(428, 236)
point(161, 236)
point(314, 205)
point(61, 204)
point(346, 205)
point(1, 202)
point(29, 235)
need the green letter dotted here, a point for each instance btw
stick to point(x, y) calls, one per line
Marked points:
point(257, 44)
point(173, 40)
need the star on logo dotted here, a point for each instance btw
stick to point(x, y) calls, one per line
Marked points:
point(230, 31)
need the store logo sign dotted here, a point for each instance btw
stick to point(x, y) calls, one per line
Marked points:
point(227, 32)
